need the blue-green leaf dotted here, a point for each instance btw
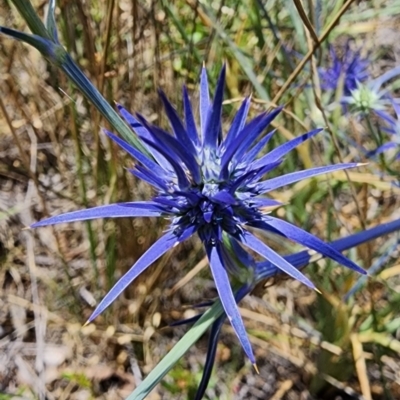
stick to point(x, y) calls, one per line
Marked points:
point(45, 46)
point(168, 362)
point(51, 21)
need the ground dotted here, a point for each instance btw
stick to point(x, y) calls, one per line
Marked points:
point(54, 158)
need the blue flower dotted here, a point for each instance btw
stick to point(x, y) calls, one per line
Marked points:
point(393, 128)
point(348, 74)
point(371, 95)
point(345, 72)
point(212, 186)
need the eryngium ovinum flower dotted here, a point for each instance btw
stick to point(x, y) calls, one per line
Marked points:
point(345, 71)
point(211, 185)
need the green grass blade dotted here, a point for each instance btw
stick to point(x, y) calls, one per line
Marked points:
point(243, 61)
point(57, 55)
point(28, 13)
point(168, 362)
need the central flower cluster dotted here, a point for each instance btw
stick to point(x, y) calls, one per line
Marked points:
point(209, 210)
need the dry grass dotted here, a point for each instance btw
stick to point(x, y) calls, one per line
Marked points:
point(53, 158)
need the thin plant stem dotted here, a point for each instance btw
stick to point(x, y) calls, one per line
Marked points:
point(310, 53)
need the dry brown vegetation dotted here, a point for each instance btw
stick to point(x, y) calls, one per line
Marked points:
point(54, 158)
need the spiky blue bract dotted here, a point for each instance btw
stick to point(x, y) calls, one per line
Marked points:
point(391, 125)
point(133, 209)
point(213, 187)
point(345, 71)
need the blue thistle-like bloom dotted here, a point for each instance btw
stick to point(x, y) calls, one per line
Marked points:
point(345, 71)
point(371, 95)
point(365, 98)
point(348, 74)
point(211, 186)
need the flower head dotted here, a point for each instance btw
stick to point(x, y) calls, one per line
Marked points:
point(345, 71)
point(370, 96)
point(366, 97)
point(211, 185)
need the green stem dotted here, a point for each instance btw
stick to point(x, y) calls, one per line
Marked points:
point(63, 60)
